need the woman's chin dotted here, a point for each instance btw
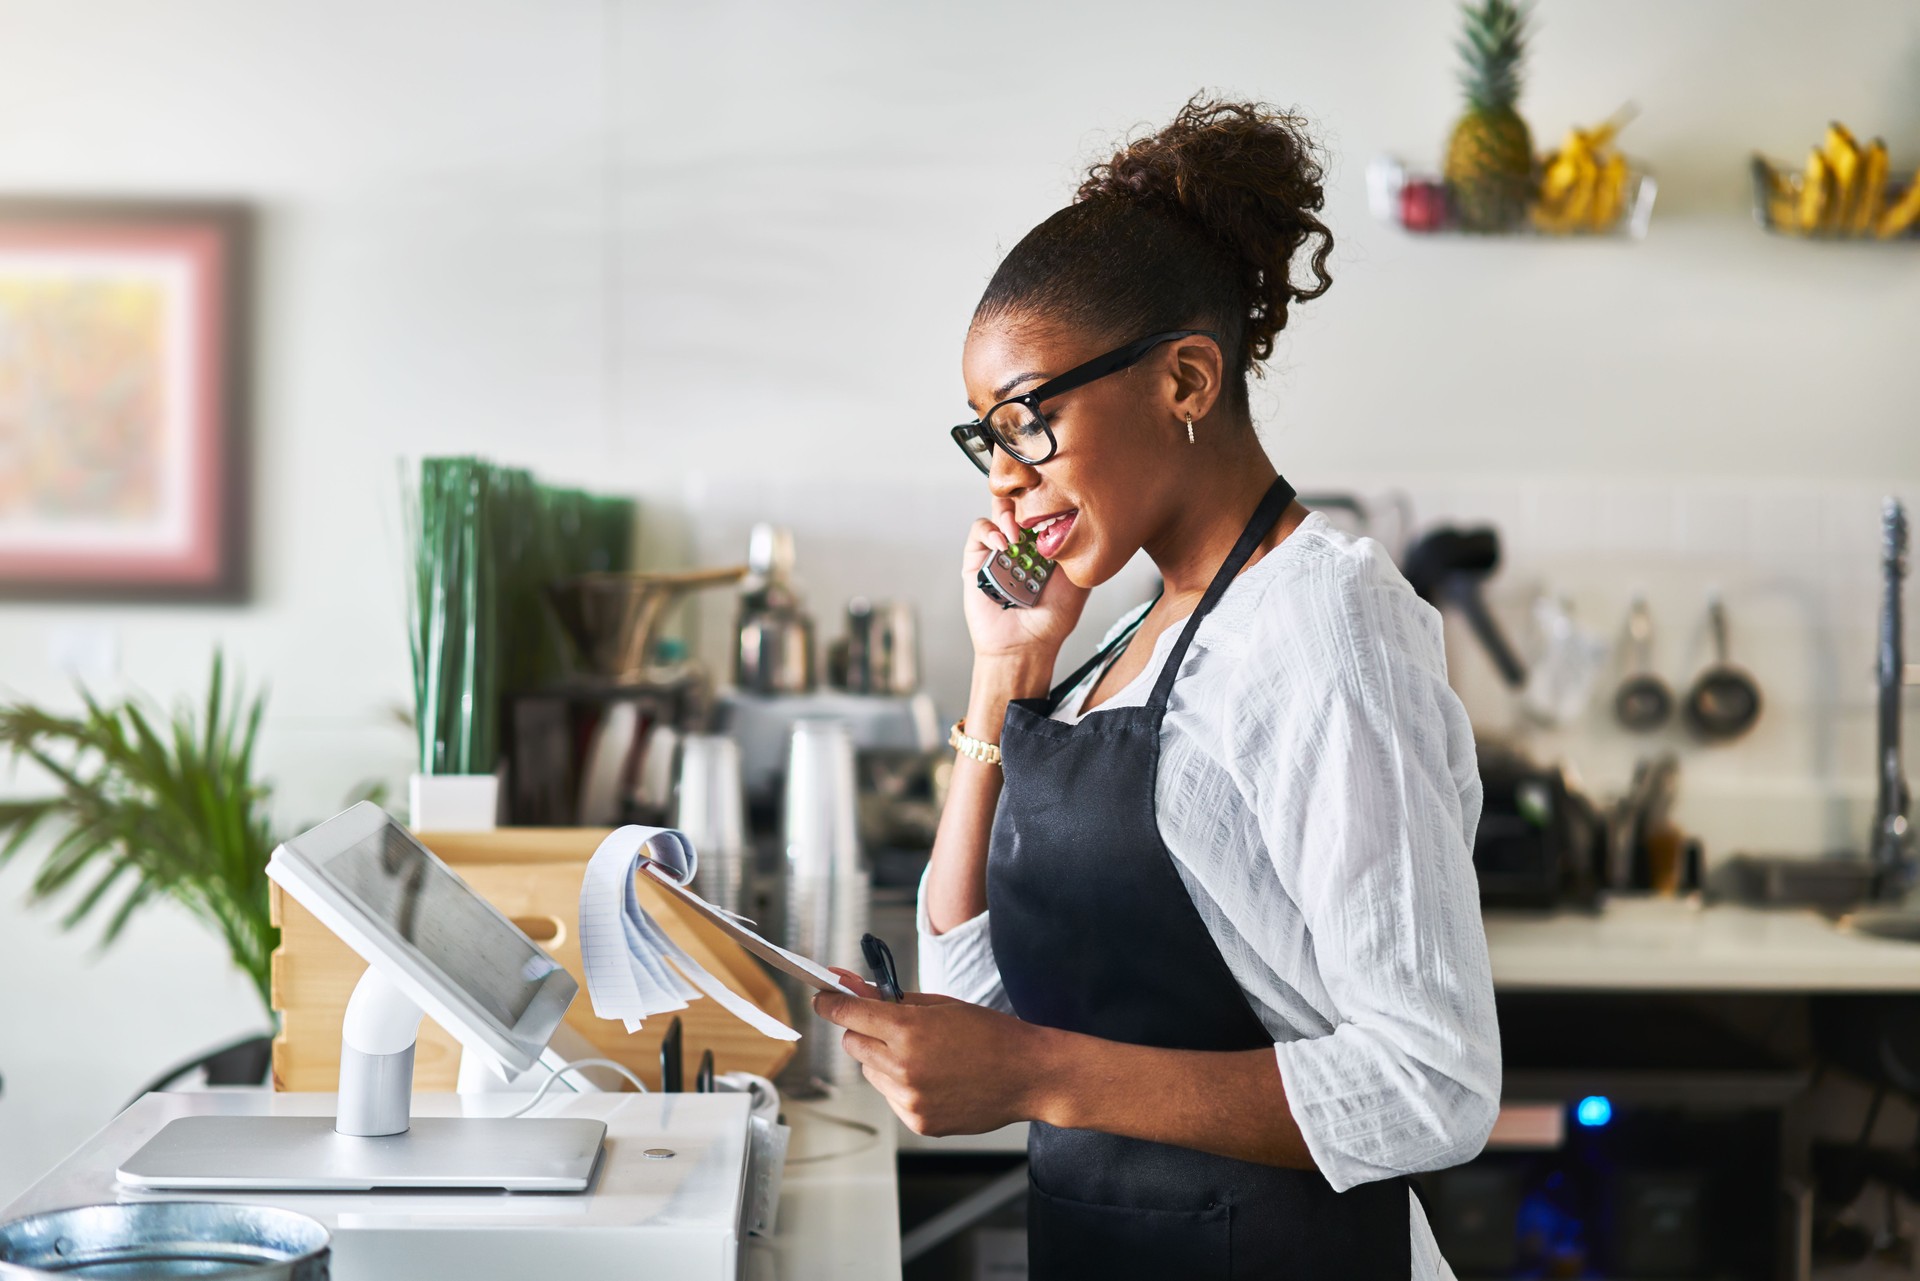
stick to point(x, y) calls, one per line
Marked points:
point(1083, 571)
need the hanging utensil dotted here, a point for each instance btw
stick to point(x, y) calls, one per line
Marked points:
point(1565, 667)
point(1448, 566)
point(1643, 702)
point(1724, 701)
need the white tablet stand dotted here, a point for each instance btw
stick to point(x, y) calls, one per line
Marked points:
point(377, 1037)
point(373, 1142)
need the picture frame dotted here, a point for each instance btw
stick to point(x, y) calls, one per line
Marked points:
point(124, 444)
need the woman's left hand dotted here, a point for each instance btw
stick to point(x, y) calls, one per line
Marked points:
point(944, 1066)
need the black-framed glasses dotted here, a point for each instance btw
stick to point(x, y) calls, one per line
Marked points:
point(1016, 423)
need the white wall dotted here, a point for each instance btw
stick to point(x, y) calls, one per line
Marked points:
point(678, 249)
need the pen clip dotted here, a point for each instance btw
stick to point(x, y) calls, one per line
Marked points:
point(880, 961)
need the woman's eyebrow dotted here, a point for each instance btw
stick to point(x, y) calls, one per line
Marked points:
point(1000, 392)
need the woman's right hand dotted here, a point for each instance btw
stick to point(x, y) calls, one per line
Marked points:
point(1013, 654)
point(1021, 634)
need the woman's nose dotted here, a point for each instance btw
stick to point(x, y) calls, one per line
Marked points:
point(1008, 477)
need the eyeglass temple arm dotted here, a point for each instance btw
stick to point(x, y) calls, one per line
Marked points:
point(1112, 362)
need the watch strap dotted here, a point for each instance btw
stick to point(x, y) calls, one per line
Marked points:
point(974, 748)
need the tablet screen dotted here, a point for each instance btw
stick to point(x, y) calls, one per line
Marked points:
point(423, 905)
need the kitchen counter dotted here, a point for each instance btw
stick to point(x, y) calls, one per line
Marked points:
point(1675, 945)
point(1642, 945)
point(1653, 944)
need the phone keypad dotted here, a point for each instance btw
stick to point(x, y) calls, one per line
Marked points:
point(1015, 576)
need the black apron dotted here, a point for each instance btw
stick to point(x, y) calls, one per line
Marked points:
point(1094, 932)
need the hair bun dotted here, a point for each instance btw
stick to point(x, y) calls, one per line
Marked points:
point(1250, 178)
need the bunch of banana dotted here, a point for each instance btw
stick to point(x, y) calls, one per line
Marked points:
point(1583, 186)
point(1843, 192)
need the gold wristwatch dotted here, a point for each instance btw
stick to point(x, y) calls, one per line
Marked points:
point(974, 748)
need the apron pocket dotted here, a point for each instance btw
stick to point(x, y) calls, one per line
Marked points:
point(1069, 1239)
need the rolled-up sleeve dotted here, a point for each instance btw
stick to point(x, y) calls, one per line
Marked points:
point(959, 963)
point(1368, 803)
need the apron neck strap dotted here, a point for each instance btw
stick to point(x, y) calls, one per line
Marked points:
point(1265, 517)
point(1100, 658)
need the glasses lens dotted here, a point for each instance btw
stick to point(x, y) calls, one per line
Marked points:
point(978, 445)
point(1020, 431)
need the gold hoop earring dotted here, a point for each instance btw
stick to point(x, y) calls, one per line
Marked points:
point(1189, 429)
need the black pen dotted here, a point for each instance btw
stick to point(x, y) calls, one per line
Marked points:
point(880, 961)
point(672, 1065)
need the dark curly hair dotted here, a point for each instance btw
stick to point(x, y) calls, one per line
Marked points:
point(1198, 224)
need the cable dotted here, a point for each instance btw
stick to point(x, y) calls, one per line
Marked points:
point(858, 1127)
point(575, 1066)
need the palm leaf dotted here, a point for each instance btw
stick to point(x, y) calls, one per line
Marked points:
point(149, 805)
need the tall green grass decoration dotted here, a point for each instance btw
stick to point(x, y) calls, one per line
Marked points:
point(150, 805)
point(453, 619)
point(487, 540)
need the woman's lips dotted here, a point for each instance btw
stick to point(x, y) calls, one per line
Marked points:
point(1047, 541)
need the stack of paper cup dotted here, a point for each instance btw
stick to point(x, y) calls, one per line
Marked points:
point(828, 890)
point(710, 807)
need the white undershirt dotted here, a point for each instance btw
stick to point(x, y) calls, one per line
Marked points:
point(1318, 791)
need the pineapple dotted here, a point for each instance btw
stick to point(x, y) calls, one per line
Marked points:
point(1490, 157)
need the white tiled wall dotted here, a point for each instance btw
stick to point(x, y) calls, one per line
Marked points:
point(1797, 566)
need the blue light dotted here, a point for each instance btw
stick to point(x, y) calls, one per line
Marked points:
point(1593, 1111)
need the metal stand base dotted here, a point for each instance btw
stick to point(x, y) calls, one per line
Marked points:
point(306, 1154)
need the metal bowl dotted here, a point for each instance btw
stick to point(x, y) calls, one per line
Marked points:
point(158, 1239)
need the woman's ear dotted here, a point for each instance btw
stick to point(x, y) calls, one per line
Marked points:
point(1199, 374)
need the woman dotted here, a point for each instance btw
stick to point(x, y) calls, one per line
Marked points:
point(1205, 913)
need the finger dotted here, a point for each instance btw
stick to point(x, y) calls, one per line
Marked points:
point(875, 1018)
point(991, 534)
point(859, 985)
point(928, 998)
point(870, 1052)
point(1004, 522)
point(984, 542)
point(1003, 518)
point(891, 1090)
point(898, 1095)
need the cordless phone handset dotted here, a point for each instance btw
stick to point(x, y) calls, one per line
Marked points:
point(1015, 576)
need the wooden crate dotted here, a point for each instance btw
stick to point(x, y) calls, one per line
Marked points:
point(533, 875)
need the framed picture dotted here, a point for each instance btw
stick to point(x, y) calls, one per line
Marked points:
point(123, 449)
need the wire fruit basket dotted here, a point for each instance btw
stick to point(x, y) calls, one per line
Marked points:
point(1420, 203)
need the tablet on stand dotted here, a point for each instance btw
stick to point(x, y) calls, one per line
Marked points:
point(432, 947)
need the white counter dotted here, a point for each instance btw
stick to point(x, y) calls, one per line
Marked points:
point(838, 1217)
point(1673, 945)
point(839, 1212)
point(840, 1205)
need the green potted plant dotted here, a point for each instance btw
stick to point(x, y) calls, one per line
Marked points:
point(486, 543)
point(453, 629)
point(149, 805)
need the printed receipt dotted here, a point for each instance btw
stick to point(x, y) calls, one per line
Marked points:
point(633, 969)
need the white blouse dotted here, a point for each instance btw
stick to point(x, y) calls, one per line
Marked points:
point(1318, 791)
